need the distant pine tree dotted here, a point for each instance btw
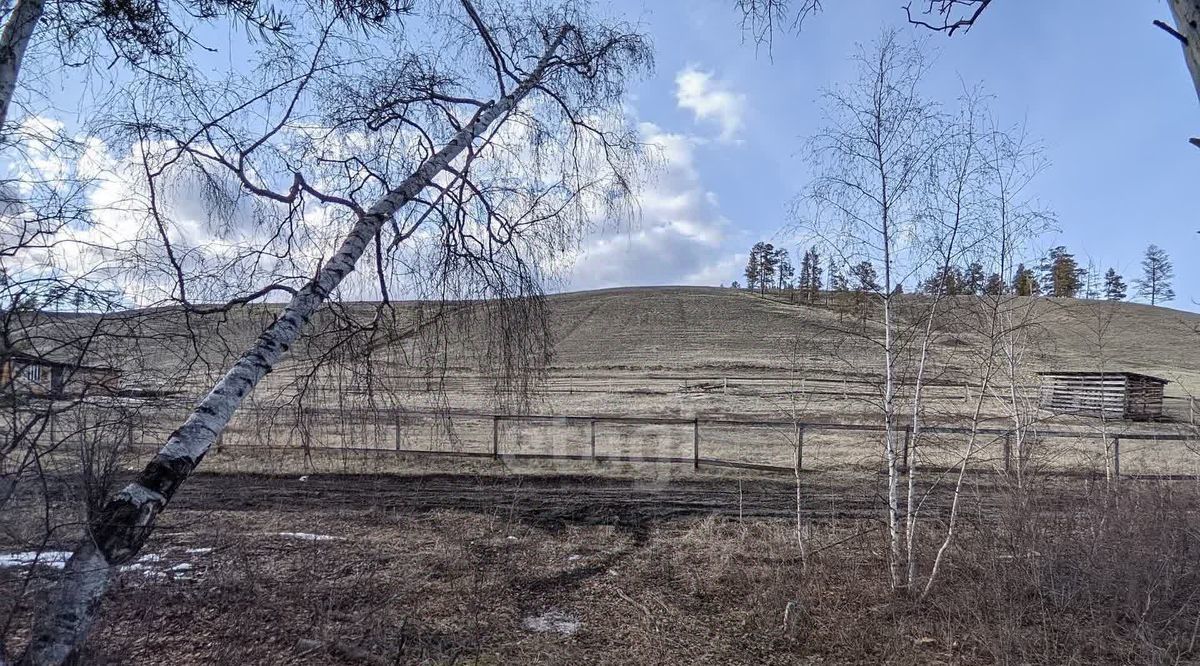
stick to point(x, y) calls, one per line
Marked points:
point(994, 285)
point(1061, 275)
point(814, 282)
point(837, 280)
point(973, 278)
point(865, 277)
point(768, 262)
point(805, 281)
point(784, 270)
point(754, 266)
point(1157, 273)
point(1091, 283)
point(947, 281)
point(1025, 283)
point(1114, 286)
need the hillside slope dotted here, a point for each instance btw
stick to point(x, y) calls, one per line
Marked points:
point(696, 331)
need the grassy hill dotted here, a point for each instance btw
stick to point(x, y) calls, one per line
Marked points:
point(697, 328)
point(637, 332)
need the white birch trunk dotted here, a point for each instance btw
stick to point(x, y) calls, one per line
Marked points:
point(958, 484)
point(889, 402)
point(14, 40)
point(893, 459)
point(122, 527)
point(1187, 22)
point(914, 435)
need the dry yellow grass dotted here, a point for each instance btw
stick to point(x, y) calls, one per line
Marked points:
point(667, 352)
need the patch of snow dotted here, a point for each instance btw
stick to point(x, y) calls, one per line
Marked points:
point(198, 551)
point(511, 538)
point(50, 558)
point(142, 569)
point(308, 537)
point(304, 478)
point(573, 558)
point(552, 621)
point(184, 566)
point(150, 557)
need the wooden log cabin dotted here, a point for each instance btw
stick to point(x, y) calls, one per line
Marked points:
point(31, 375)
point(1116, 395)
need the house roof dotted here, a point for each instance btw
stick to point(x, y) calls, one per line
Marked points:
point(43, 360)
point(1084, 373)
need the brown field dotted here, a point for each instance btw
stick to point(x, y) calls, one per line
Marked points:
point(461, 568)
point(336, 539)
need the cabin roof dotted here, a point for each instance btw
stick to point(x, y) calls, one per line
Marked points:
point(43, 360)
point(1083, 373)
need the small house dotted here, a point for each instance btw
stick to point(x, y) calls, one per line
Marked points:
point(28, 374)
point(1116, 395)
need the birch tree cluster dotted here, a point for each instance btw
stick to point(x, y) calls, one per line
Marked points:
point(908, 186)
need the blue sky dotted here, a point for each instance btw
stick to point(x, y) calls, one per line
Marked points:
point(1106, 93)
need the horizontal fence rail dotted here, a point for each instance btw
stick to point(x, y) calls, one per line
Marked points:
point(771, 445)
point(1180, 408)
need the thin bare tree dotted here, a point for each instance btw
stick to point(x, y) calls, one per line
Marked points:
point(870, 158)
point(951, 229)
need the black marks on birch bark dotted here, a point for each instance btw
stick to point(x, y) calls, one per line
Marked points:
point(123, 525)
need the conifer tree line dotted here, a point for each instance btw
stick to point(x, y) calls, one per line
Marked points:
point(1058, 274)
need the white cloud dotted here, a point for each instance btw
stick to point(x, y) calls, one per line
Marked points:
point(113, 241)
point(710, 99)
point(680, 238)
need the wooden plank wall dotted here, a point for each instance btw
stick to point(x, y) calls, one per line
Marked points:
point(1085, 394)
point(1115, 395)
point(1144, 399)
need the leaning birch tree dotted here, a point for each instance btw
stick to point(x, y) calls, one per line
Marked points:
point(488, 159)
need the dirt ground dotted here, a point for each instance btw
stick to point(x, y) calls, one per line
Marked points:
point(448, 568)
point(533, 568)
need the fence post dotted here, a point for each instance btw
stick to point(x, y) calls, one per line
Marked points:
point(696, 444)
point(845, 395)
point(129, 433)
point(1007, 452)
point(1192, 411)
point(966, 393)
point(592, 425)
point(495, 437)
point(1117, 458)
point(397, 430)
point(725, 390)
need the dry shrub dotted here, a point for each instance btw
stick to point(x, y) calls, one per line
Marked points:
point(1096, 576)
point(1074, 574)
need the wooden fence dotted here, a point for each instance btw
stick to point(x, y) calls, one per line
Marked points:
point(1178, 408)
point(691, 441)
